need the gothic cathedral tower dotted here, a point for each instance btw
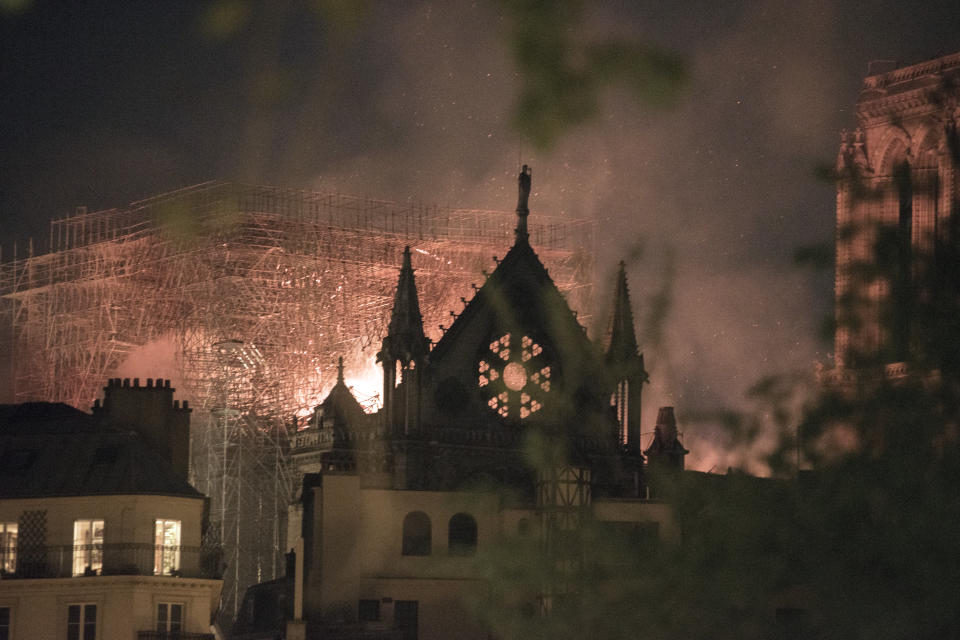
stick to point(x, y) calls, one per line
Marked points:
point(898, 184)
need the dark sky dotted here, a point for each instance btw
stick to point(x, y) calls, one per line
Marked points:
point(102, 103)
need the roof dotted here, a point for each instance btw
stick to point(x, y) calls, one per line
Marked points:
point(52, 450)
point(520, 292)
point(340, 404)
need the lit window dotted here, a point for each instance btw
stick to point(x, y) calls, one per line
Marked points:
point(166, 547)
point(169, 618)
point(82, 622)
point(513, 376)
point(8, 547)
point(87, 547)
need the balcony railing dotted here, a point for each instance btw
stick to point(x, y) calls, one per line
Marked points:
point(64, 561)
point(173, 635)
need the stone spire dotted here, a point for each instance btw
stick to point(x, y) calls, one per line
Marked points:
point(625, 366)
point(405, 344)
point(523, 209)
point(405, 341)
point(622, 348)
point(665, 449)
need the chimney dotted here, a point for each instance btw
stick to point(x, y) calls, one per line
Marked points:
point(151, 412)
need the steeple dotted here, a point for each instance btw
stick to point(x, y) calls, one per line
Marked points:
point(623, 340)
point(340, 407)
point(523, 210)
point(625, 364)
point(405, 341)
point(405, 347)
point(665, 449)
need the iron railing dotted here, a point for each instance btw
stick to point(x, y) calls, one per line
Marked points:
point(173, 635)
point(64, 561)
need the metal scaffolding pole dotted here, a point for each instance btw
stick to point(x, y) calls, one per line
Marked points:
point(299, 277)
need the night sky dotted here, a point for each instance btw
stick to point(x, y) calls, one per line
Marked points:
point(103, 103)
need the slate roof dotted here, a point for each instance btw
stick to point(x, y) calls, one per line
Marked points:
point(51, 449)
point(520, 291)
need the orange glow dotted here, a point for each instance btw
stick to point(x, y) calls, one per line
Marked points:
point(365, 380)
point(361, 375)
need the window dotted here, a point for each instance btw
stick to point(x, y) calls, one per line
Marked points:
point(462, 537)
point(416, 534)
point(368, 611)
point(405, 616)
point(169, 619)
point(87, 547)
point(513, 376)
point(82, 622)
point(166, 549)
point(4, 623)
point(8, 547)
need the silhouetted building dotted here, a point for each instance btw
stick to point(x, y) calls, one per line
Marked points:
point(898, 185)
point(100, 532)
point(513, 423)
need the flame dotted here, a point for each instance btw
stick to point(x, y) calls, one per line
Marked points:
point(361, 375)
point(365, 380)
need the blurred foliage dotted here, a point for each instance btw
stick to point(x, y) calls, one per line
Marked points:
point(562, 76)
point(179, 222)
point(14, 7)
point(225, 18)
point(855, 534)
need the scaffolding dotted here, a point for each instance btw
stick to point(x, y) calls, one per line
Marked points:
point(256, 290)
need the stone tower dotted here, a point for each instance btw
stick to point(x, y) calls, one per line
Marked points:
point(898, 183)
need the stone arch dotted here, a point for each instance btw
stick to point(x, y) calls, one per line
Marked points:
point(416, 534)
point(462, 535)
point(895, 148)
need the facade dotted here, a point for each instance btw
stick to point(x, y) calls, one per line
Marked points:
point(512, 424)
point(100, 532)
point(898, 184)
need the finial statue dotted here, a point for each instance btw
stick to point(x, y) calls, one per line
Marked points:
point(340, 369)
point(524, 183)
point(522, 209)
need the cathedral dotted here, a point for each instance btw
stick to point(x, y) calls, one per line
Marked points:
point(897, 186)
point(513, 423)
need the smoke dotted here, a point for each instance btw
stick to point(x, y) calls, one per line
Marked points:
point(155, 359)
point(721, 185)
point(414, 102)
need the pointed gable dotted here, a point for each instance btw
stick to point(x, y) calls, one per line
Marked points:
point(516, 349)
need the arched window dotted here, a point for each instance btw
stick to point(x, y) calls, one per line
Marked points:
point(462, 535)
point(416, 534)
point(523, 526)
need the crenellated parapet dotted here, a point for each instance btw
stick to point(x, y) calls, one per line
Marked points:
point(150, 410)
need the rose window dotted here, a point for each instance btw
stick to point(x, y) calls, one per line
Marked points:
point(513, 377)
